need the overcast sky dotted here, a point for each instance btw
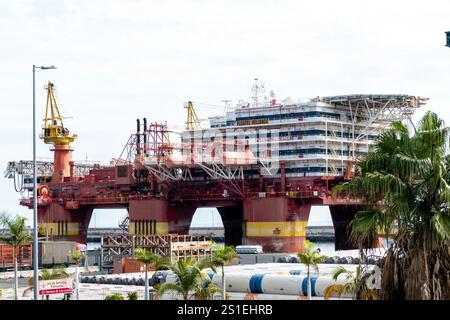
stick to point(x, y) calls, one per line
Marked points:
point(122, 60)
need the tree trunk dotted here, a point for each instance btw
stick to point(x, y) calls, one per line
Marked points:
point(146, 284)
point(16, 280)
point(308, 285)
point(77, 292)
point(224, 293)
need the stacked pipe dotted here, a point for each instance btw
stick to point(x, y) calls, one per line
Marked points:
point(258, 281)
point(332, 260)
point(172, 295)
point(264, 286)
point(280, 284)
point(291, 268)
point(267, 280)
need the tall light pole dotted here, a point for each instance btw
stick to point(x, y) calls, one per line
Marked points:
point(35, 218)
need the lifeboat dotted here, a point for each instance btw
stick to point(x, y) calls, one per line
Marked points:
point(179, 161)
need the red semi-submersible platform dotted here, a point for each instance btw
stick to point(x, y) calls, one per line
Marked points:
point(161, 191)
point(277, 220)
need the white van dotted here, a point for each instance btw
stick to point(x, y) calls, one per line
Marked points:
point(249, 249)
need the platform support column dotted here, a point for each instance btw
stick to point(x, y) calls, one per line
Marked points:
point(58, 223)
point(342, 215)
point(157, 216)
point(276, 223)
point(234, 225)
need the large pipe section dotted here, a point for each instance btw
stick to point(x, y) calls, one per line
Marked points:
point(262, 296)
point(288, 268)
point(277, 284)
point(172, 295)
point(283, 269)
point(293, 281)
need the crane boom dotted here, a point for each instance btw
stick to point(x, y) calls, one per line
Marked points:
point(54, 131)
point(192, 119)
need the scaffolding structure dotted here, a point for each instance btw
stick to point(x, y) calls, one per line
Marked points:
point(172, 246)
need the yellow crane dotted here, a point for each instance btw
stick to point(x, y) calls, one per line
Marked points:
point(192, 119)
point(54, 131)
point(57, 135)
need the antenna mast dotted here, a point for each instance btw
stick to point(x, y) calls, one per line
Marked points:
point(257, 89)
point(226, 107)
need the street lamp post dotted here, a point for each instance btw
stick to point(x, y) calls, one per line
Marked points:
point(35, 219)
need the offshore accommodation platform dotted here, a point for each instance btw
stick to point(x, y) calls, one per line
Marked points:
point(262, 165)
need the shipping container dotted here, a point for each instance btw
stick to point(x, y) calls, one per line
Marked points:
point(24, 258)
point(123, 264)
point(53, 253)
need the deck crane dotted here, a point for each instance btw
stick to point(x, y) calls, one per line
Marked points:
point(56, 134)
point(192, 121)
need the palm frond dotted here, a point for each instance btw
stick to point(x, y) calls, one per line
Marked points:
point(365, 227)
point(440, 225)
point(341, 270)
point(333, 290)
point(170, 286)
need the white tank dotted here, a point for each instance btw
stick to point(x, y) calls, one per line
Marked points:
point(322, 283)
point(281, 284)
point(170, 277)
point(255, 296)
point(234, 282)
point(283, 280)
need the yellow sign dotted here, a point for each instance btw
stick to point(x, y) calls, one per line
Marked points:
point(279, 228)
point(251, 122)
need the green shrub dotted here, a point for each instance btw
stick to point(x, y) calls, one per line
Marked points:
point(133, 296)
point(114, 296)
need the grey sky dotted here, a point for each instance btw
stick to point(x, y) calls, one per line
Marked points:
point(122, 60)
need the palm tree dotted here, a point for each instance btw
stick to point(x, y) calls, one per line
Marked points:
point(221, 257)
point(147, 258)
point(57, 273)
point(190, 277)
point(310, 258)
point(132, 295)
point(114, 296)
point(18, 236)
point(405, 180)
point(77, 256)
point(206, 291)
point(356, 284)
